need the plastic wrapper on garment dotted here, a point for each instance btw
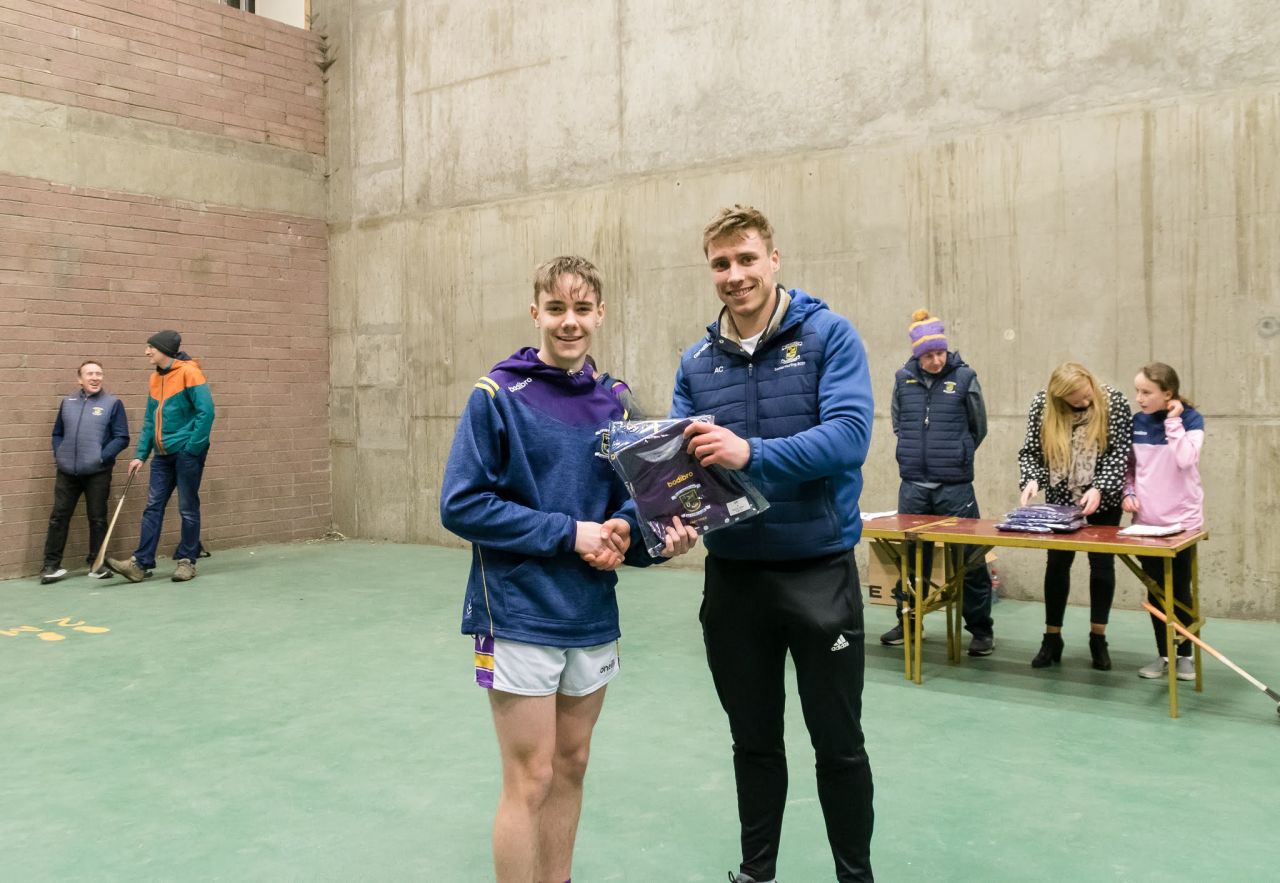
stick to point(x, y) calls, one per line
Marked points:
point(1044, 518)
point(666, 482)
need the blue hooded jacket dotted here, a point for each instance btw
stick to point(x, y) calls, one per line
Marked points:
point(528, 463)
point(89, 432)
point(803, 401)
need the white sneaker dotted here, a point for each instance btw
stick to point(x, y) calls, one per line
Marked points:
point(1156, 668)
point(1186, 668)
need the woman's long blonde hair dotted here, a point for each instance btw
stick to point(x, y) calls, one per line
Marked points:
point(1055, 430)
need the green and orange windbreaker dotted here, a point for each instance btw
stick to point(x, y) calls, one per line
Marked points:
point(179, 411)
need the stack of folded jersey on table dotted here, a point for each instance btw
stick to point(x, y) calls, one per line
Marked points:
point(1045, 518)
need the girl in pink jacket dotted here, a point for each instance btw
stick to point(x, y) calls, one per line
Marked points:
point(1162, 487)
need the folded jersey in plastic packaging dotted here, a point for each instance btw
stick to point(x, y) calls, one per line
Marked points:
point(666, 482)
point(1044, 518)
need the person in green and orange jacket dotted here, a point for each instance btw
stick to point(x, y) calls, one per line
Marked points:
point(176, 429)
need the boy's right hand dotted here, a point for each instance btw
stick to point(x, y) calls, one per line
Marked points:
point(1130, 503)
point(134, 466)
point(597, 547)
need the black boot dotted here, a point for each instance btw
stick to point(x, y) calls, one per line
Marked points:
point(1098, 650)
point(1050, 650)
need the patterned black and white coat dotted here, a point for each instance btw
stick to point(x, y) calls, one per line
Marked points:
point(1109, 472)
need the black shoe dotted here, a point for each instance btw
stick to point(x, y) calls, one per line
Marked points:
point(1050, 651)
point(51, 574)
point(893, 637)
point(1098, 650)
point(982, 645)
point(102, 572)
point(740, 878)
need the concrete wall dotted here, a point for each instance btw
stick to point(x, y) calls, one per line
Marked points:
point(1094, 181)
point(161, 165)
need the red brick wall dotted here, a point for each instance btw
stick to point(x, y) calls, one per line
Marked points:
point(189, 63)
point(91, 274)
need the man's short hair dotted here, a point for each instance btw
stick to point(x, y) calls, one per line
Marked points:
point(734, 222)
point(80, 370)
point(549, 272)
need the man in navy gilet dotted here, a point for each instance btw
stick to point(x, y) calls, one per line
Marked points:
point(90, 430)
point(786, 378)
point(940, 419)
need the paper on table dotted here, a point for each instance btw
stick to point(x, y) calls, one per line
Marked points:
point(1151, 530)
point(868, 516)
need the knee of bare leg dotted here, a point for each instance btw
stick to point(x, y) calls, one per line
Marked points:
point(530, 780)
point(572, 764)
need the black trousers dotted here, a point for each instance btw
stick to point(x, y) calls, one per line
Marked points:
point(753, 614)
point(1154, 568)
point(1102, 578)
point(66, 494)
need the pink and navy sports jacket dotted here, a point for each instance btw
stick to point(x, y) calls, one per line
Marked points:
point(1164, 469)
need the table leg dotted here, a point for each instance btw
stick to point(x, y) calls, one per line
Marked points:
point(908, 604)
point(1195, 611)
point(918, 606)
point(948, 570)
point(1171, 637)
point(957, 597)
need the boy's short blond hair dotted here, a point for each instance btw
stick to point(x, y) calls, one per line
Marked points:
point(549, 272)
point(734, 222)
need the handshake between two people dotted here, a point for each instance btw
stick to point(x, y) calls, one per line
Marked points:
point(604, 546)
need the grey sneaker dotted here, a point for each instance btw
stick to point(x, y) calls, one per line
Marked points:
point(130, 570)
point(1186, 668)
point(743, 878)
point(185, 570)
point(51, 574)
point(1156, 668)
point(102, 572)
point(982, 645)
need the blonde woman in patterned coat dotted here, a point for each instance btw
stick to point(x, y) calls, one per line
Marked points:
point(1076, 451)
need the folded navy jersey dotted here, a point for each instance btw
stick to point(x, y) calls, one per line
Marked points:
point(666, 482)
point(1044, 518)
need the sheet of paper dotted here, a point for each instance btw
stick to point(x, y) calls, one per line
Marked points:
point(1151, 530)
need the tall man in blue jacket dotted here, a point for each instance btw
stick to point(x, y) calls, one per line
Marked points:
point(940, 419)
point(787, 381)
point(90, 430)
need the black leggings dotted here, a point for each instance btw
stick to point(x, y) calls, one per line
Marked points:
point(1154, 568)
point(755, 613)
point(1102, 578)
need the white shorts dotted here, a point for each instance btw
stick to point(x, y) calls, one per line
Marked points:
point(535, 670)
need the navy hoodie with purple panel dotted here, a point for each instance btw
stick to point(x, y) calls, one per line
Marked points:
point(528, 463)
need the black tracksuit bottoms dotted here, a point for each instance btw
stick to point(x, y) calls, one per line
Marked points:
point(753, 614)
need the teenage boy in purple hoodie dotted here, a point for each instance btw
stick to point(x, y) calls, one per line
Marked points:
point(529, 484)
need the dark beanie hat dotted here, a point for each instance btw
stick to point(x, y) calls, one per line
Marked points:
point(168, 342)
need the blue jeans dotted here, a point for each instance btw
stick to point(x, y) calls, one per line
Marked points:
point(182, 471)
point(949, 499)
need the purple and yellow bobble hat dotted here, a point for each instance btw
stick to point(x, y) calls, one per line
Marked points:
point(926, 332)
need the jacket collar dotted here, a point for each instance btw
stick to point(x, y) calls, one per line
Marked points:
point(724, 329)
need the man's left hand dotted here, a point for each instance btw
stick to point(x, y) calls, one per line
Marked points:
point(713, 445)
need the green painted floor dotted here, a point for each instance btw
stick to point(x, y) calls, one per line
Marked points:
point(306, 712)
